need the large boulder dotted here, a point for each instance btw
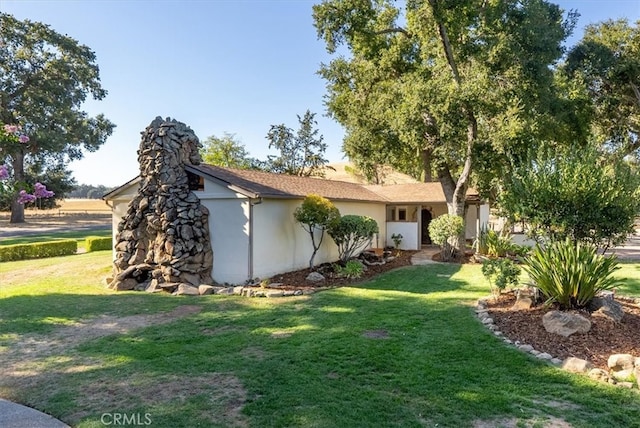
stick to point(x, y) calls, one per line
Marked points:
point(565, 323)
point(606, 308)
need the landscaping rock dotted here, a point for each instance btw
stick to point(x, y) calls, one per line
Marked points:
point(523, 302)
point(315, 277)
point(576, 365)
point(636, 373)
point(621, 365)
point(565, 323)
point(238, 290)
point(606, 307)
point(545, 356)
point(125, 284)
point(186, 290)
point(225, 291)
point(205, 290)
point(599, 375)
point(275, 293)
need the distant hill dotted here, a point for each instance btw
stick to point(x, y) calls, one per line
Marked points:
point(346, 171)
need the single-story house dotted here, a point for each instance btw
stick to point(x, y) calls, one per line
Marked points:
point(254, 235)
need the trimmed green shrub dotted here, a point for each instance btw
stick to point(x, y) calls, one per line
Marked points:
point(444, 231)
point(316, 214)
point(353, 269)
point(352, 233)
point(38, 250)
point(570, 274)
point(98, 243)
point(500, 273)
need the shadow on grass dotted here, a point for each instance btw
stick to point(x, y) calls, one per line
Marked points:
point(309, 361)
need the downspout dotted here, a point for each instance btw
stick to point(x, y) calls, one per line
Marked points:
point(252, 202)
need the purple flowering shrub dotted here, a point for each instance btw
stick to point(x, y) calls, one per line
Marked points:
point(12, 134)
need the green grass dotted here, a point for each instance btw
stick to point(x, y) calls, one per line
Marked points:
point(79, 236)
point(295, 362)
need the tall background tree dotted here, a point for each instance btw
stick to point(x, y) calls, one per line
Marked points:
point(44, 79)
point(436, 87)
point(301, 152)
point(226, 151)
point(604, 70)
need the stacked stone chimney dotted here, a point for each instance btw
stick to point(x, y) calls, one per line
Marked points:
point(162, 242)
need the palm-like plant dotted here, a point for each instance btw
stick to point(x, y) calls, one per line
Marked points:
point(570, 273)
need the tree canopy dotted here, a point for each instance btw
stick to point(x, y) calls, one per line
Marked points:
point(226, 151)
point(579, 195)
point(44, 79)
point(605, 69)
point(433, 89)
point(301, 152)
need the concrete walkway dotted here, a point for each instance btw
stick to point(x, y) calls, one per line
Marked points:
point(424, 257)
point(14, 415)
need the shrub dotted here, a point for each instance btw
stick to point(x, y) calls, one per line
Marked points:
point(444, 231)
point(352, 233)
point(38, 250)
point(500, 273)
point(570, 274)
point(316, 214)
point(578, 195)
point(353, 269)
point(97, 243)
point(498, 244)
point(397, 239)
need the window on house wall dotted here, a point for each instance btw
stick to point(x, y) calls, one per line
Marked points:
point(402, 214)
point(196, 182)
point(392, 215)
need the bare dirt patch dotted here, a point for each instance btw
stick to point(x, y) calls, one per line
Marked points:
point(547, 422)
point(224, 393)
point(24, 357)
point(376, 334)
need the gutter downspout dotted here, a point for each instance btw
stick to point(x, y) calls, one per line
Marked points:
point(252, 202)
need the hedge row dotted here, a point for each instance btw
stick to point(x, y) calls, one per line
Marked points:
point(95, 243)
point(38, 250)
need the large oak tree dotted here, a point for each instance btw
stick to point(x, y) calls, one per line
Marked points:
point(437, 87)
point(44, 79)
point(604, 72)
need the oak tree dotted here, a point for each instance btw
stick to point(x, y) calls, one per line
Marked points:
point(437, 85)
point(45, 77)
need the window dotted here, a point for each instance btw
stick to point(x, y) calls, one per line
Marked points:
point(402, 214)
point(196, 182)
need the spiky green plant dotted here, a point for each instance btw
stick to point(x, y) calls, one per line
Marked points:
point(570, 274)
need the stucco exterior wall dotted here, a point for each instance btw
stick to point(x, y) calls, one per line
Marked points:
point(282, 245)
point(409, 231)
point(229, 232)
point(471, 220)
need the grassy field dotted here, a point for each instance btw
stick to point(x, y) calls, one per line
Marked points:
point(402, 350)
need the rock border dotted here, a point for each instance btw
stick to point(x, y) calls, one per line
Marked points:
point(619, 371)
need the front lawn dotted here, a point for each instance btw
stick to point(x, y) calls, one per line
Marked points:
point(401, 350)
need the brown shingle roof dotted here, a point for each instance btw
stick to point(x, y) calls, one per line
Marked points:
point(266, 184)
point(416, 193)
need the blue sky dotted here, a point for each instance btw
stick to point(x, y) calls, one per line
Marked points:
point(234, 66)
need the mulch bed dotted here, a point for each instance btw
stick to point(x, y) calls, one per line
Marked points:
point(297, 279)
point(604, 338)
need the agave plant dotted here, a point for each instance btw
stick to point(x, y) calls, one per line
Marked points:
point(570, 273)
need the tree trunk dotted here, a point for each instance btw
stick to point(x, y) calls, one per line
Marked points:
point(456, 191)
point(425, 155)
point(17, 209)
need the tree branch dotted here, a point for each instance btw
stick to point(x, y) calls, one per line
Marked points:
point(394, 30)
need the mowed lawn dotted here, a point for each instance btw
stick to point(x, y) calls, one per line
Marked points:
point(403, 350)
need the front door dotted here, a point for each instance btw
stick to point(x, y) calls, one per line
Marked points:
point(426, 219)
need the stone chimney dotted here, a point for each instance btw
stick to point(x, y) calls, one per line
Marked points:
point(163, 241)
